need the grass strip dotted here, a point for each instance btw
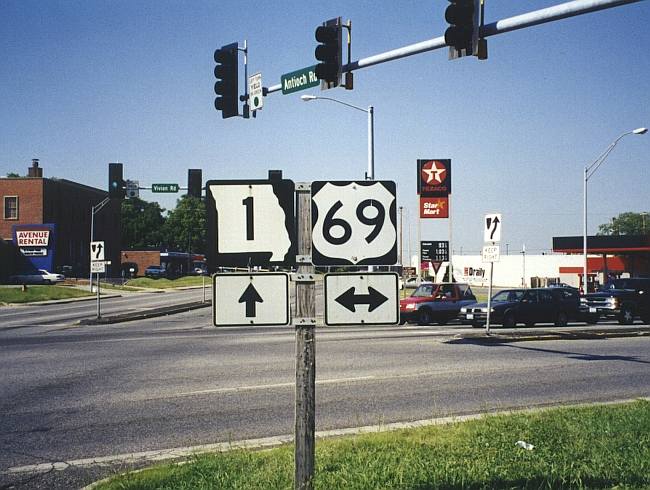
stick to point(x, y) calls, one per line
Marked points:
point(606, 446)
point(163, 283)
point(40, 293)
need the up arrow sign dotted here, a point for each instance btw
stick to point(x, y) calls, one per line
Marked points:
point(373, 299)
point(265, 299)
point(250, 297)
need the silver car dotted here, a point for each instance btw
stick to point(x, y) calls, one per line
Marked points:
point(41, 276)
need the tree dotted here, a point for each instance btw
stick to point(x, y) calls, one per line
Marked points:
point(185, 225)
point(142, 224)
point(13, 175)
point(627, 224)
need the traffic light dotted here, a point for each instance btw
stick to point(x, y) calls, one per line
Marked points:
point(226, 86)
point(462, 34)
point(116, 184)
point(194, 182)
point(329, 52)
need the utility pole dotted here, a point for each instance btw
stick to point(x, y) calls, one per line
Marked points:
point(305, 323)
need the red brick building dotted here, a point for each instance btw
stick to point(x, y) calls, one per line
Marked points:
point(35, 200)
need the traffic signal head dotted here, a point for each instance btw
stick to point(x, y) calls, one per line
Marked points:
point(194, 182)
point(116, 184)
point(226, 86)
point(462, 34)
point(328, 52)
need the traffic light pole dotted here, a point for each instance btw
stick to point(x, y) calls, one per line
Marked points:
point(530, 19)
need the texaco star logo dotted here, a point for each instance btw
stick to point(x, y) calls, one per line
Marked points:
point(433, 172)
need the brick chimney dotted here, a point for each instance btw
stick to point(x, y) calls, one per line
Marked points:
point(34, 170)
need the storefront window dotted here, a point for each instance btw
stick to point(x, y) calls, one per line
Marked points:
point(11, 207)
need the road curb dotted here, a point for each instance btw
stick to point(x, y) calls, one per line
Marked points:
point(50, 302)
point(143, 315)
point(499, 338)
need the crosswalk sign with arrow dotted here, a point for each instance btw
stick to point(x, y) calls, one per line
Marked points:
point(250, 299)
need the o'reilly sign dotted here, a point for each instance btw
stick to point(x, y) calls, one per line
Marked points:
point(299, 80)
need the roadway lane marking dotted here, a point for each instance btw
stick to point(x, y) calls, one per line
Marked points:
point(237, 389)
point(268, 442)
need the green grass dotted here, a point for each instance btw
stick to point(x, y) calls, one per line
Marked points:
point(39, 293)
point(594, 447)
point(145, 282)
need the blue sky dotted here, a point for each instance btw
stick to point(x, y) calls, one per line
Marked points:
point(84, 83)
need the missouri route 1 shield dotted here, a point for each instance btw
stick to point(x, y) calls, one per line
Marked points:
point(250, 223)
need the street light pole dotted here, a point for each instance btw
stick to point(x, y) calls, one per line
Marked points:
point(589, 170)
point(370, 173)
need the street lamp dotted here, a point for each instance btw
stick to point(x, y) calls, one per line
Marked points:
point(588, 172)
point(370, 174)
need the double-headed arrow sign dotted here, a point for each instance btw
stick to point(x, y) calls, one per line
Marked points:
point(373, 299)
point(361, 298)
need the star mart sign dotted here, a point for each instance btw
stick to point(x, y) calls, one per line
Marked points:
point(434, 207)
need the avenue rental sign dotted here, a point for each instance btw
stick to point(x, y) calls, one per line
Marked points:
point(299, 80)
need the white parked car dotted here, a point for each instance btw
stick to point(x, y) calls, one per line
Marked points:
point(40, 276)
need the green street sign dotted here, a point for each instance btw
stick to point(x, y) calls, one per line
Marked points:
point(299, 80)
point(164, 187)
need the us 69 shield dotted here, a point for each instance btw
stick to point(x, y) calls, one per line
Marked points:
point(354, 223)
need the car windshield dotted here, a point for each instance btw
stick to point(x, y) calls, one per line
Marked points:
point(424, 290)
point(503, 296)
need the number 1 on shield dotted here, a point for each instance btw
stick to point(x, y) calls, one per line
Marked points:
point(248, 202)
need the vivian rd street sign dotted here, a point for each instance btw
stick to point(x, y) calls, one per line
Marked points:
point(354, 223)
point(250, 299)
point(250, 222)
point(361, 299)
point(299, 80)
point(164, 187)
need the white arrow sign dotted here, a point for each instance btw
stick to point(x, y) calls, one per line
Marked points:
point(492, 228)
point(250, 299)
point(96, 251)
point(361, 299)
point(354, 223)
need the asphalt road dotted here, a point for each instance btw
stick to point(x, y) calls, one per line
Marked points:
point(27, 317)
point(69, 393)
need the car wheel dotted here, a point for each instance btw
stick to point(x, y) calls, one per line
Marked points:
point(592, 319)
point(646, 319)
point(443, 321)
point(477, 325)
point(530, 324)
point(626, 317)
point(509, 321)
point(561, 320)
point(424, 316)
